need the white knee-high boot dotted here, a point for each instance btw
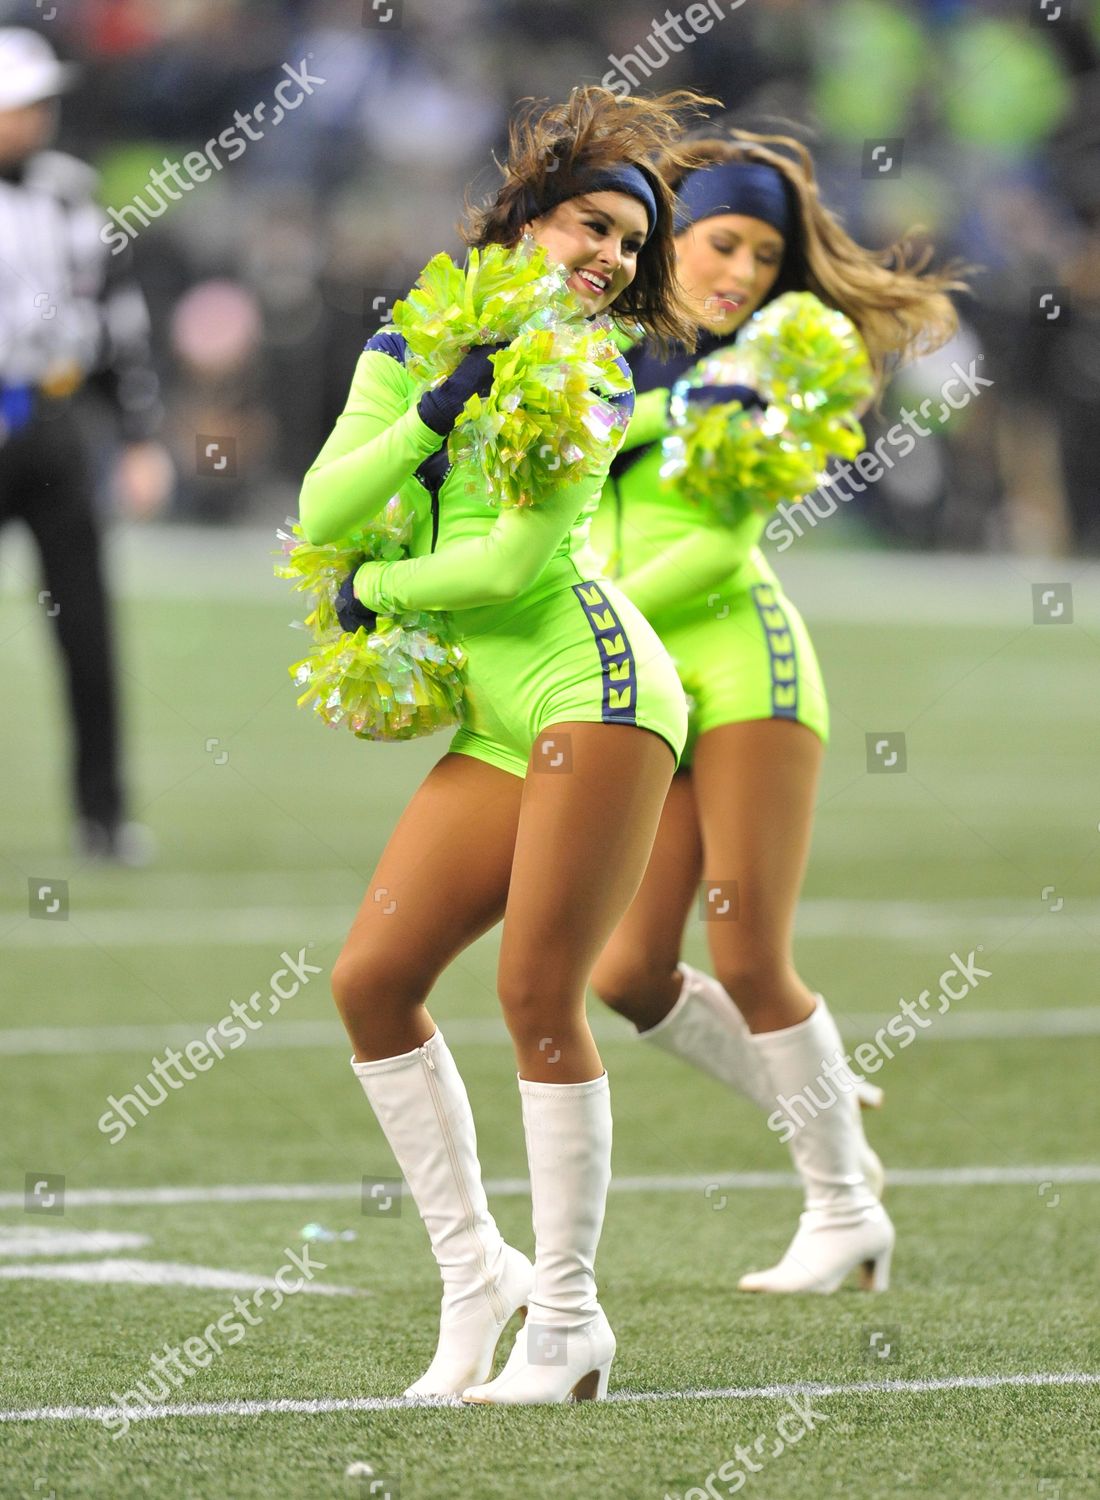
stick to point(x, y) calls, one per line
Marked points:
point(706, 1029)
point(844, 1226)
point(565, 1350)
point(422, 1107)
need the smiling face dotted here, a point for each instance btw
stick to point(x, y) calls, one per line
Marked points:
point(727, 265)
point(597, 238)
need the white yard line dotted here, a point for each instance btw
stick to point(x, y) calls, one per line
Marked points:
point(47, 1040)
point(1076, 925)
point(324, 1405)
point(264, 921)
point(317, 886)
point(32, 1240)
point(517, 1187)
point(985, 1026)
point(153, 927)
point(129, 1271)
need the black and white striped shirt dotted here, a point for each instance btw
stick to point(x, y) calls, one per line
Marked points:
point(69, 310)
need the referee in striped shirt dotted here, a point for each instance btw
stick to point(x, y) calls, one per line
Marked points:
point(70, 318)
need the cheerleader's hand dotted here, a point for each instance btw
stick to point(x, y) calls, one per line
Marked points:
point(719, 395)
point(351, 613)
point(441, 407)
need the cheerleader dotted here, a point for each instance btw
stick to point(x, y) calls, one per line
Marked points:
point(544, 811)
point(750, 227)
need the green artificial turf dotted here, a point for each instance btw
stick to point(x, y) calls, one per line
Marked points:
point(271, 850)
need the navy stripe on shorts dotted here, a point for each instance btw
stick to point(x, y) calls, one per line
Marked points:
point(620, 675)
point(781, 651)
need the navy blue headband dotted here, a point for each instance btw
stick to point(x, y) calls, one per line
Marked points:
point(624, 178)
point(735, 187)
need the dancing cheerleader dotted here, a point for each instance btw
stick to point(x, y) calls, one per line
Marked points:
point(545, 809)
point(739, 812)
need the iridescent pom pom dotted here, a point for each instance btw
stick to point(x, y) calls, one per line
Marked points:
point(320, 571)
point(495, 297)
point(401, 680)
point(545, 421)
point(809, 363)
point(727, 462)
point(546, 418)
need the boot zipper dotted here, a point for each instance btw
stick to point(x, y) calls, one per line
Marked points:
point(494, 1296)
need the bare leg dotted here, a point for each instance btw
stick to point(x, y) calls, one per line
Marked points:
point(442, 881)
point(585, 836)
point(748, 803)
point(584, 840)
point(755, 785)
point(636, 974)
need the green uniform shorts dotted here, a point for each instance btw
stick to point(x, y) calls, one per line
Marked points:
point(582, 654)
point(749, 657)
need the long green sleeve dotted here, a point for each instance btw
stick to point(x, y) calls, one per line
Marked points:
point(699, 561)
point(378, 442)
point(488, 569)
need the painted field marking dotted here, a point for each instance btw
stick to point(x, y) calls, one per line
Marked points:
point(324, 1405)
point(286, 1034)
point(820, 918)
point(29, 1240)
point(518, 1187)
point(134, 1272)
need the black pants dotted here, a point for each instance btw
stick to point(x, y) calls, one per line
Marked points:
point(45, 480)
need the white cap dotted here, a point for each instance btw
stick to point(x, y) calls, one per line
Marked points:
point(29, 69)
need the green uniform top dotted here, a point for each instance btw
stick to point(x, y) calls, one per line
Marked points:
point(466, 555)
point(664, 553)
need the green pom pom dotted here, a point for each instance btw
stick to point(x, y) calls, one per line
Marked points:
point(498, 294)
point(399, 681)
point(729, 461)
point(545, 421)
point(320, 571)
point(402, 680)
point(809, 363)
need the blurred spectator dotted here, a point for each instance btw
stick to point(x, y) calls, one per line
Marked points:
point(218, 425)
point(326, 217)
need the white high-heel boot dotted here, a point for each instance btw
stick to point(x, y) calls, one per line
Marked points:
point(422, 1107)
point(564, 1351)
point(844, 1226)
point(706, 1029)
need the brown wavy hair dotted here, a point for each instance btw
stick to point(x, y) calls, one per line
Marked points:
point(901, 308)
point(552, 148)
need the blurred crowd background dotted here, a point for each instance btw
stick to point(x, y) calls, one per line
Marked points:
point(265, 280)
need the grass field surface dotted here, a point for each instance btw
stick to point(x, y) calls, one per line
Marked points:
point(978, 1373)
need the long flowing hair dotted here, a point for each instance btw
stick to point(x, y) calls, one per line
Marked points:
point(900, 306)
point(552, 149)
